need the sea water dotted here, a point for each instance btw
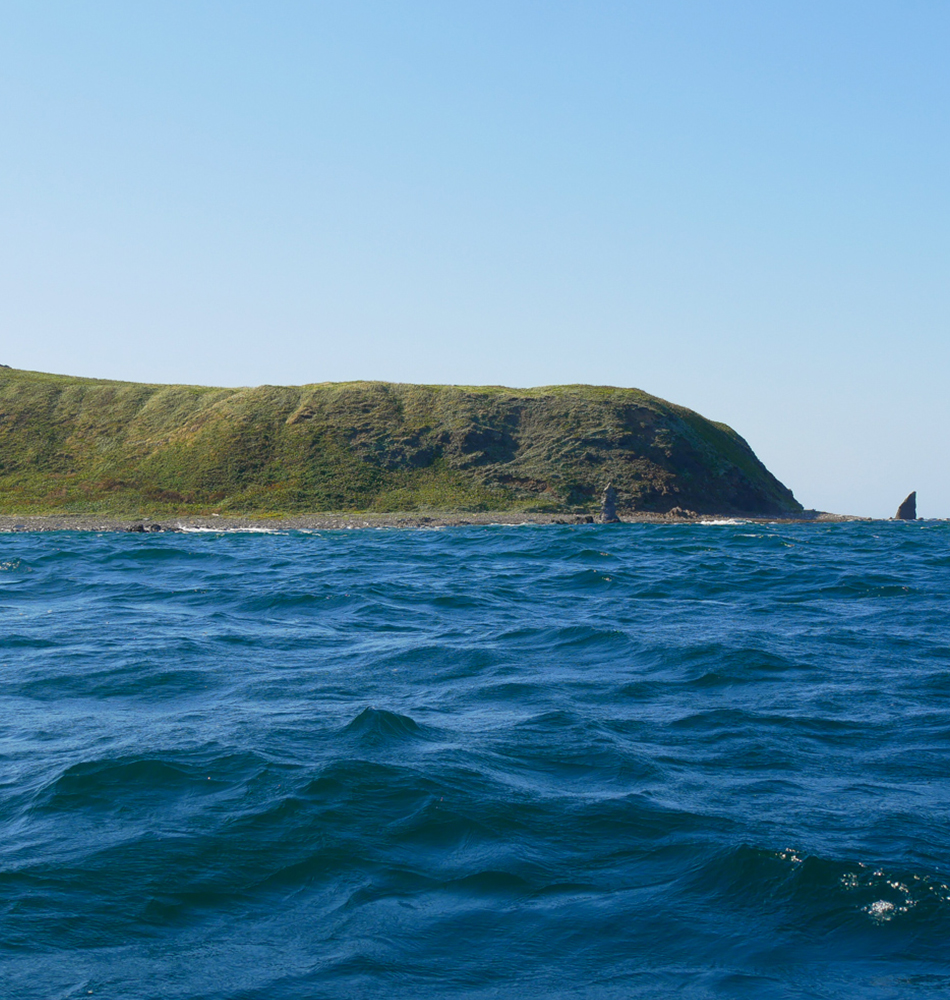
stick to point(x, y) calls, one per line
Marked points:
point(704, 760)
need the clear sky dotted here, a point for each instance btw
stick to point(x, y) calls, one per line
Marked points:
point(738, 205)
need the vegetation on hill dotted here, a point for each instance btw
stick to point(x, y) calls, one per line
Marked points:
point(71, 445)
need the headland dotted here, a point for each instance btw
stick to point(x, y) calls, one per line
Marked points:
point(97, 452)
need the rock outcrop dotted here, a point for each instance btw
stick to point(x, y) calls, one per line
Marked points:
point(608, 506)
point(908, 509)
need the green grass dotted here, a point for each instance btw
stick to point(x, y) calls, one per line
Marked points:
point(75, 445)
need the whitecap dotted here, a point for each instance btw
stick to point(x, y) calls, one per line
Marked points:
point(881, 911)
point(192, 529)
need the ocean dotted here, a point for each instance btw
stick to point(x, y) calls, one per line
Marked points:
point(622, 761)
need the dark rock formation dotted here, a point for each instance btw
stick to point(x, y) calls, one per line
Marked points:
point(608, 509)
point(678, 512)
point(908, 509)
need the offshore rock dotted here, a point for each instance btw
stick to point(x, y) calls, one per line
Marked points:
point(908, 509)
point(608, 508)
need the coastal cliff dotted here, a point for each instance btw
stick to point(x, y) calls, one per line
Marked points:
point(89, 445)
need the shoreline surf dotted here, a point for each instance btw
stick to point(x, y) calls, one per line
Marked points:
point(326, 521)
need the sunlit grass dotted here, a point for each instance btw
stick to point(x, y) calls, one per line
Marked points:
point(75, 445)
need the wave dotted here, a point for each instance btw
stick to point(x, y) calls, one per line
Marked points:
point(193, 529)
point(476, 764)
point(378, 724)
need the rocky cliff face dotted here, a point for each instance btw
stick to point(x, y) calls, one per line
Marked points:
point(84, 444)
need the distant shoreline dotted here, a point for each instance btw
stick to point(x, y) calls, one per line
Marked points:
point(76, 444)
point(316, 522)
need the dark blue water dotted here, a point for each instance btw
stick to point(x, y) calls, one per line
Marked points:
point(636, 761)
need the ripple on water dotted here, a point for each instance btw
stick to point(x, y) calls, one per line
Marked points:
point(476, 763)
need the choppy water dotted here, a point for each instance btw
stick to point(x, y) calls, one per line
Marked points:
point(638, 761)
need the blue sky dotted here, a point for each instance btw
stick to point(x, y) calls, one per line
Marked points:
point(738, 206)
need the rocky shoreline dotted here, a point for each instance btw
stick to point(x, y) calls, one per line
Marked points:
point(317, 522)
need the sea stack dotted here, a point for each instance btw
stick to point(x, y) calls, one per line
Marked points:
point(608, 510)
point(908, 509)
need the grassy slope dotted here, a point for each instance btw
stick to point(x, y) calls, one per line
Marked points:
point(87, 445)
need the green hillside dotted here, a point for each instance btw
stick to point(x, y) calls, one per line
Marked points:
point(70, 445)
